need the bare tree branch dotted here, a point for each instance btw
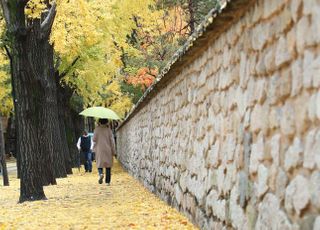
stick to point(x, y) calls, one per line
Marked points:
point(8, 52)
point(48, 22)
point(58, 63)
point(6, 12)
point(67, 70)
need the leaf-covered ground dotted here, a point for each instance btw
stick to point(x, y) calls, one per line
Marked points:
point(79, 202)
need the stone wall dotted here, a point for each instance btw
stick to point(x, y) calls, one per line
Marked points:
point(233, 140)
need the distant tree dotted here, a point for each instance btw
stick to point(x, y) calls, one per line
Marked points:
point(194, 10)
point(3, 165)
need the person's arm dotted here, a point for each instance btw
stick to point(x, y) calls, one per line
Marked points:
point(92, 144)
point(95, 136)
point(94, 139)
point(78, 143)
point(112, 143)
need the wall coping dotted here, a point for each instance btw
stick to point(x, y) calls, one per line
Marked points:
point(214, 24)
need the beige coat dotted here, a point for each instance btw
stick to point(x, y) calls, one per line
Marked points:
point(103, 146)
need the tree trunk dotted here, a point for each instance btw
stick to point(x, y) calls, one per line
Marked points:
point(73, 134)
point(27, 103)
point(3, 157)
point(74, 126)
point(50, 121)
point(62, 106)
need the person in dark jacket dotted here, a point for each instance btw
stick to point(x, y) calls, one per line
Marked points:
point(85, 146)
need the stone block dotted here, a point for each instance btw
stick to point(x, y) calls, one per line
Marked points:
point(257, 14)
point(274, 118)
point(275, 149)
point(269, 60)
point(252, 62)
point(227, 53)
point(238, 220)
point(230, 178)
point(247, 143)
point(308, 70)
point(297, 195)
point(260, 91)
point(247, 118)
point(310, 150)
point(239, 156)
point(303, 29)
point(271, 7)
point(294, 155)
point(243, 187)
point(260, 36)
point(281, 183)
point(297, 77)
point(270, 216)
point(314, 188)
point(279, 87)
point(291, 42)
point(316, 225)
point(273, 171)
point(301, 113)
point(309, 6)
point(285, 19)
point(312, 107)
point(294, 7)
point(213, 157)
point(241, 101)
point(283, 55)
point(287, 124)
point(261, 186)
point(215, 205)
point(231, 147)
point(259, 118)
point(307, 222)
point(257, 154)
point(316, 71)
point(220, 178)
point(315, 25)
point(244, 72)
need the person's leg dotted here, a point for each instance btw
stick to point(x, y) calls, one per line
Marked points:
point(86, 161)
point(100, 175)
point(79, 161)
point(108, 175)
point(89, 161)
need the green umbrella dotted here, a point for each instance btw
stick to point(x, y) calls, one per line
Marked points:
point(100, 112)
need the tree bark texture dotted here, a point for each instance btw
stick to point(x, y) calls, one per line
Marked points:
point(3, 157)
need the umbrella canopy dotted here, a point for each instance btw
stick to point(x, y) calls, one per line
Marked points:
point(100, 112)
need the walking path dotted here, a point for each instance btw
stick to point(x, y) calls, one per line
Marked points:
point(79, 202)
point(11, 167)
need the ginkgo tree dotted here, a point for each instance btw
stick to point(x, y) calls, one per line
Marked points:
point(28, 25)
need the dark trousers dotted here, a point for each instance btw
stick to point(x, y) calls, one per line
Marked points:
point(88, 161)
point(108, 174)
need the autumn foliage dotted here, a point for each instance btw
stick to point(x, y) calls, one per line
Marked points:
point(144, 77)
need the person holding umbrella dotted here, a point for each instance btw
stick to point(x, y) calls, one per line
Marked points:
point(104, 148)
